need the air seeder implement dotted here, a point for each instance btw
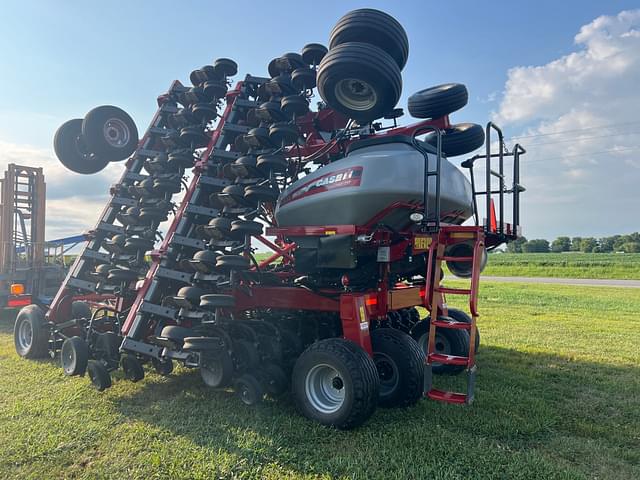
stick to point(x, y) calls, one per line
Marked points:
point(358, 213)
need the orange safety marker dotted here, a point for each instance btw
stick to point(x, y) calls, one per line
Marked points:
point(493, 223)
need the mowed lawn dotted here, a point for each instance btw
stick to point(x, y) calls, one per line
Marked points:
point(558, 396)
point(625, 266)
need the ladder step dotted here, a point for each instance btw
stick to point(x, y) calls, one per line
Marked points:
point(453, 291)
point(447, 359)
point(448, 397)
point(451, 324)
point(456, 259)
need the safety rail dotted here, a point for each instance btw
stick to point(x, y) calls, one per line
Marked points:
point(434, 225)
point(501, 229)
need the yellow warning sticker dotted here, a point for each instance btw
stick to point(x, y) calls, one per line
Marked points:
point(421, 243)
point(363, 316)
point(330, 232)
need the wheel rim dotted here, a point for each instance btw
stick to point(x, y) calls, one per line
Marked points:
point(442, 345)
point(211, 373)
point(247, 395)
point(355, 94)
point(68, 356)
point(116, 132)
point(25, 336)
point(387, 372)
point(324, 388)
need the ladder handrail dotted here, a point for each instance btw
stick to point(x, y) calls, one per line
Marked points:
point(501, 190)
point(517, 188)
point(428, 173)
point(489, 173)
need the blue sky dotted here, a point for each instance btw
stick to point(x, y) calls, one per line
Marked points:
point(59, 59)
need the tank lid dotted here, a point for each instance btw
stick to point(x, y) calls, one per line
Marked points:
point(385, 139)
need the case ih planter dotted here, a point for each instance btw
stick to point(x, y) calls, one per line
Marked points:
point(359, 218)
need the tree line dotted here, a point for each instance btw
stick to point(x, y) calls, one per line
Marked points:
point(617, 243)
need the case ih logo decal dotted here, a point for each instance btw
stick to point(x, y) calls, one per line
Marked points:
point(348, 177)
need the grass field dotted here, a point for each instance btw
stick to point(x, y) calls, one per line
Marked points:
point(567, 265)
point(558, 396)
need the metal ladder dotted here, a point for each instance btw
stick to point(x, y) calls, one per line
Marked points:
point(435, 302)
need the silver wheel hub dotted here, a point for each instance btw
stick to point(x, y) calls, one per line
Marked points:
point(442, 345)
point(116, 132)
point(211, 373)
point(324, 388)
point(68, 356)
point(355, 94)
point(387, 372)
point(25, 335)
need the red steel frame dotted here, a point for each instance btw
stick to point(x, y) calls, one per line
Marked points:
point(157, 254)
point(356, 310)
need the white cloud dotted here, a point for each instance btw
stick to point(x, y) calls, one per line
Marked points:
point(72, 215)
point(583, 181)
point(73, 201)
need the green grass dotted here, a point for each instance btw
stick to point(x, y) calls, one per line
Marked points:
point(557, 397)
point(566, 265)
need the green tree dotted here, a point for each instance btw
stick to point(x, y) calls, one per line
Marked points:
point(538, 245)
point(561, 244)
point(607, 244)
point(631, 247)
point(575, 244)
point(588, 245)
point(516, 245)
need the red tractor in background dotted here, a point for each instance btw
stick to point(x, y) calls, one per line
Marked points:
point(359, 214)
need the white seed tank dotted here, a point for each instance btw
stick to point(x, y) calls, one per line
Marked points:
point(375, 174)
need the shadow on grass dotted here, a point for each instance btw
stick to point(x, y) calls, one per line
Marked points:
point(561, 408)
point(536, 414)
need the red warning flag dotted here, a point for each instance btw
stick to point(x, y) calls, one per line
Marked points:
point(493, 223)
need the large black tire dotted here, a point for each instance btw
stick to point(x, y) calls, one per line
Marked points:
point(110, 133)
point(360, 81)
point(335, 383)
point(460, 139)
point(367, 25)
point(70, 150)
point(448, 341)
point(74, 356)
point(460, 316)
point(400, 364)
point(438, 101)
point(30, 336)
